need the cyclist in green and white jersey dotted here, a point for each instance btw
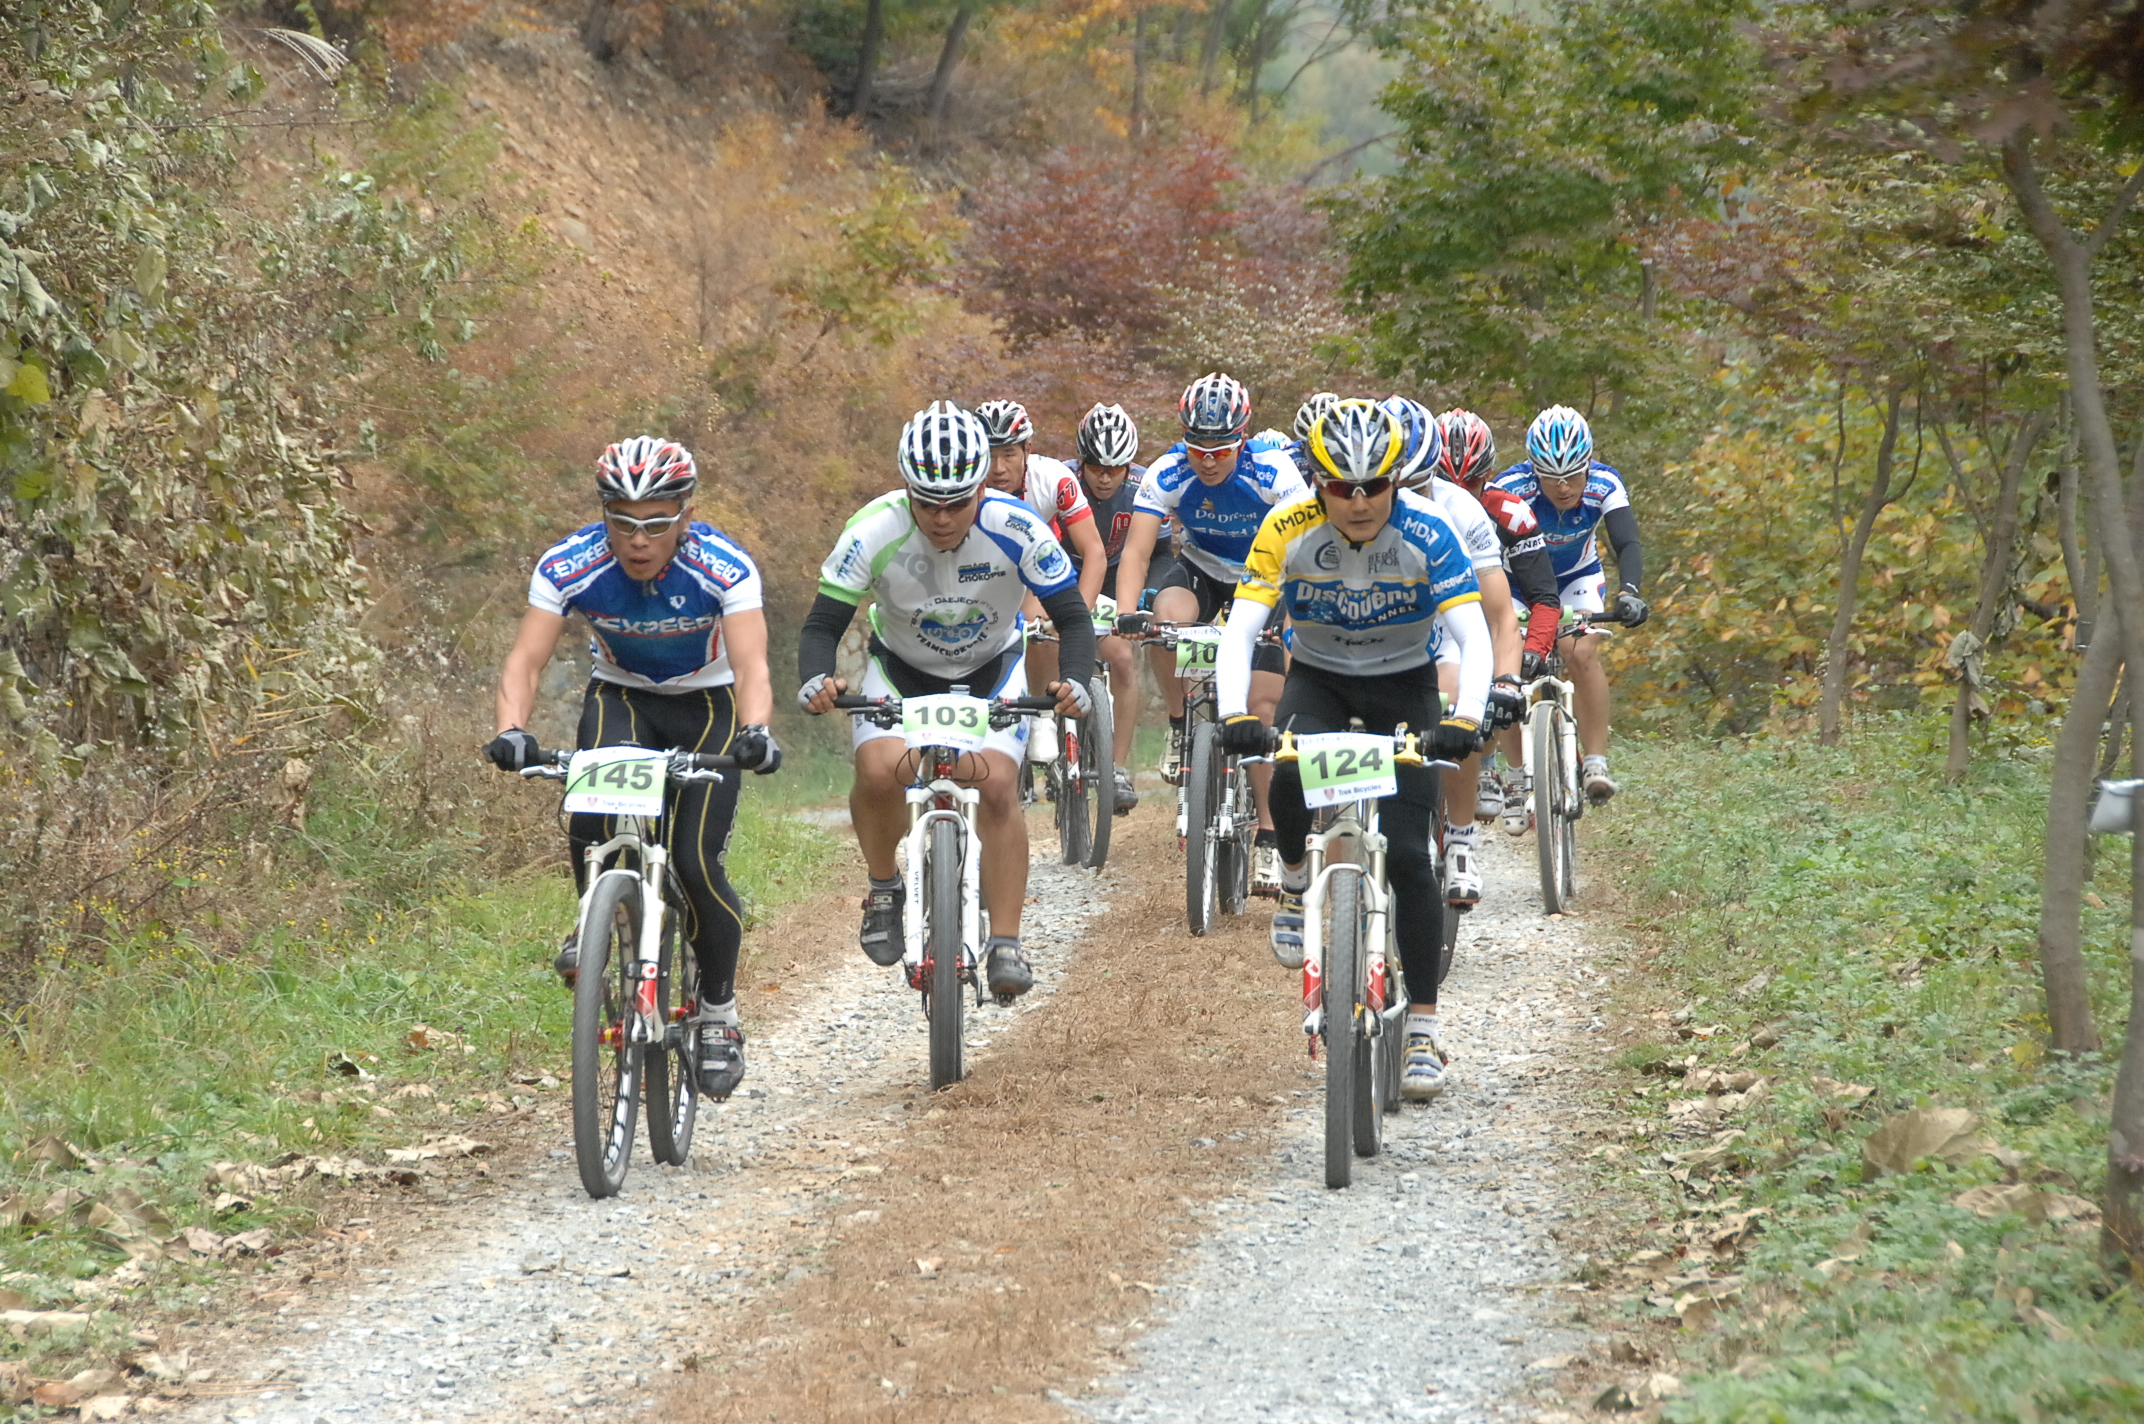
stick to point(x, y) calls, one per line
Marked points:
point(947, 563)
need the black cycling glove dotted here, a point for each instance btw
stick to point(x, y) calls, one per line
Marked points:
point(1131, 625)
point(513, 749)
point(1455, 739)
point(1630, 610)
point(1507, 703)
point(755, 749)
point(1243, 735)
point(1531, 665)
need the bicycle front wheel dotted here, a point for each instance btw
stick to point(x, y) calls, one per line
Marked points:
point(1550, 813)
point(673, 1069)
point(606, 1068)
point(1343, 991)
point(1075, 821)
point(942, 947)
point(1098, 768)
point(1202, 799)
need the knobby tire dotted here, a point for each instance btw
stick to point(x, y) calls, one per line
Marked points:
point(606, 1087)
point(1098, 761)
point(942, 943)
point(1202, 784)
point(1343, 990)
point(1075, 835)
point(1549, 811)
point(673, 1070)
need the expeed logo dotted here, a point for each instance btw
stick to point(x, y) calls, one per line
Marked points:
point(977, 573)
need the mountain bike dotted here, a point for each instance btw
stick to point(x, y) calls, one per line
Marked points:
point(1216, 815)
point(1354, 991)
point(1550, 744)
point(1083, 778)
point(944, 942)
point(633, 992)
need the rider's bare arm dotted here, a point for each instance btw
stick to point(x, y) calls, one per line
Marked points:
point(533, 646)
point(1138, 553)
point(745, 635)
point(1085, 539)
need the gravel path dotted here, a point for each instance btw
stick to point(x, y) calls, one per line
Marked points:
point(547, 1302)
point(1423, 1291)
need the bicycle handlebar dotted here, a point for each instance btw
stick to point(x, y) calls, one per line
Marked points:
point(886, 711)
point(552, 766)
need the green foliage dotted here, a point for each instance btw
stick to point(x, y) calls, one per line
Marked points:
point(868, 279)
point(1534, 153)
point(1879, 921)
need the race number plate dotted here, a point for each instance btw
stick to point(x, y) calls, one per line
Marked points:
point(1197, 649)
point(1105, 616)
point(945, 720)
point(1345, 766)
point(617, 781)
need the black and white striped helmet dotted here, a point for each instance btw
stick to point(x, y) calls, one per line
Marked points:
point(1006, 421)
point(1306, 414)
point(945, 452)
point(1215, 408)
point(1107, 436)
point(1357, 441)
point(645, 467)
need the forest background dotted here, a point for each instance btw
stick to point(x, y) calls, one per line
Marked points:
point(307, 335)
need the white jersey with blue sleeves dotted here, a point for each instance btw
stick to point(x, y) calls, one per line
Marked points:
point(946, 613)
point(665, 634)
point(1569, 533)
point(1218, 522)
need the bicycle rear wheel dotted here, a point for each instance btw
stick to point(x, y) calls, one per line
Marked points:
point(1202, 786)
point(1098, 765)
point(942, 948)
point(1074, 796)
point(606, 1076)
point(1550, 813)
point(673, 1068)
point(1343, 987)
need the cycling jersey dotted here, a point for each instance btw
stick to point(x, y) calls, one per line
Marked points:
point(1477, 532)
point(664, 634)
point(1054, 492)
point(1569, 534)
point(1366, 609)
point(945, 614)
point(1217, 523)
point(1113, 516)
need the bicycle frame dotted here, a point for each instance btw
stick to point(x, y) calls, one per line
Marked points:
point(1354, 828)
point(932, 799)
point(643, 1023)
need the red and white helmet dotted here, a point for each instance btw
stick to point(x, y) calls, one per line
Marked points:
point(645, 467)
point(1007, 422)
point(1469, 449)
point(1215, 408)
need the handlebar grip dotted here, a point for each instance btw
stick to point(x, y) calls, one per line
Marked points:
point(1028, 704)
point(707, 761)
point(850, 702)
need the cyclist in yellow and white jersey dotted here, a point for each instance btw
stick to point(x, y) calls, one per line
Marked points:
point(1362, 570)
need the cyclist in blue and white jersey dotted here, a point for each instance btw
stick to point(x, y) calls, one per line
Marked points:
point(1575, 496)
point(680, 653)
point(948, 564)
point(1218, 485)
point(1109, 475)
point(1363, 569)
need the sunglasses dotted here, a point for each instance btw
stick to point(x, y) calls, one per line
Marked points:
point(1346, 489)
point(628, 526)
point(1214, 452)
point(961, 503)
point(1562, 479)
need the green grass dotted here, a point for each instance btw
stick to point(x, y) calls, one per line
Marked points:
point(1882, 922)
point(166, 1058)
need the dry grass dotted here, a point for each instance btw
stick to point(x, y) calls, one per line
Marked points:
point(1051, 1187)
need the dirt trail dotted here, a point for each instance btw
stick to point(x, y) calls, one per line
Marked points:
point(1135, 1151)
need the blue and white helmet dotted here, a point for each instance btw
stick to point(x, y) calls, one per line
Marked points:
point(1560, 442)
point(1422, 441)
point(1215, 409)
point(945, 453)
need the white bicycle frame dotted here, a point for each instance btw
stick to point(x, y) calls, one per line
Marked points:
point(1357, 823)
point(1542, 692)
point(922, 815)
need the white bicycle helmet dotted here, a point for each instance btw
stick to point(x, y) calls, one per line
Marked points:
point(1357, 441)
point(1215, 409)
point(1560, 442)
point(1306, 414)
point(1107, 436)
point(645, 467)
point(1006, 421)
point(944, 454)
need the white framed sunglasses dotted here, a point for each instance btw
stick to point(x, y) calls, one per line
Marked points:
point(653, 527)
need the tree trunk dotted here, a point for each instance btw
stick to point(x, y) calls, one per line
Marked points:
point(1994, 583)
point(1842, 622)
point(1210, 54)
point(948, 61)
point(2083, 576)
point(2069, 798)
point(867, 49)
point(1138, 124)
point(2122, 1219)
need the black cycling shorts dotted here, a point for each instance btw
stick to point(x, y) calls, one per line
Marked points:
point(1213, 596)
